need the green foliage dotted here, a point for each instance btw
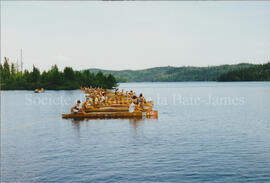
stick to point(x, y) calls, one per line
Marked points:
point(110, 80)
point(254, 73)
point(53, 79)
point(5, 72)
point(68, 73)
point(169, 74)
point(35, 75)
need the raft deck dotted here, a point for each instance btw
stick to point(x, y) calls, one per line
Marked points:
point(148, 114)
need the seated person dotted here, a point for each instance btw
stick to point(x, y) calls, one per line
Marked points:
point(134, 106)
point(135, 99)
point(75, 109)
point(122, 93)
point(141, 99)
point(85, 104)
point(96, 100)
point(126, 95)
point(138, 108)
point(116, 91)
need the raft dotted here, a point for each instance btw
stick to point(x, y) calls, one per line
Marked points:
point(147, 114)
point(148, 104)
point(106, 109)
point(112, 109)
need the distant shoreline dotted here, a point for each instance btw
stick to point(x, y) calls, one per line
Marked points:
point(189, 73)
point(156, 82)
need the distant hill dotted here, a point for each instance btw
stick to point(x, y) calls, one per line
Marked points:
point(254, 73)
point(170, 74)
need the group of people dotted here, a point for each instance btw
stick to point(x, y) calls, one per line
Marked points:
point(39, 91)
point(131, 95)
point(98, 96)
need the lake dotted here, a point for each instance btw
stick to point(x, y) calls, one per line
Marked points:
point(205, 132)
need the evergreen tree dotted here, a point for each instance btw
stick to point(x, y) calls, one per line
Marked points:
point(53, 79)
point(111, 81)
point(13, 70)
point(35, 75)
point(68, 73)
point(6, 70)
point(100, 78)
point(254, 73)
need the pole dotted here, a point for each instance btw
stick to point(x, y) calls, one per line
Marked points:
point(17, 65)
point(21, 61)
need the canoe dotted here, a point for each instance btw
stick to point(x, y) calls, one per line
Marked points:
point(147, 114)
point(109, 96)
point(91, 92)
point(120, 105)
point(112, 109)
point(106, 109)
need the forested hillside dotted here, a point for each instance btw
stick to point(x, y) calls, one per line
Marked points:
point(170, 74)
point(254, 73)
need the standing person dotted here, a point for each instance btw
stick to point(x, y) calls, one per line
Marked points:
point(141, 100)
point(131, 107)
point(75, 109)
point(103, 98)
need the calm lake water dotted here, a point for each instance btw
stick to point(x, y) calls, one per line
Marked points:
point(206, 132)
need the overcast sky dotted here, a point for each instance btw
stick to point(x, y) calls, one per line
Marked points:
point(135, 35)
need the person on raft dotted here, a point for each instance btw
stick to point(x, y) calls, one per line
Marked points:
point(116, 91)
point(127, 95)
point(122, 93)
point(134, 106)
point(75, 109)
point(103, 98)
point(85, 104)
point(131, 107)
point(142, 100)
point(136, 100)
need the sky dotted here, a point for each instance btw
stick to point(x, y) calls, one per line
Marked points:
point(135, 35)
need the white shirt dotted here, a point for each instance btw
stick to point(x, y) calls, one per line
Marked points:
point(131, 107)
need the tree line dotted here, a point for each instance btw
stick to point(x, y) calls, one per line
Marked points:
point(260, 72)
point(174, 74)
point(54, 79)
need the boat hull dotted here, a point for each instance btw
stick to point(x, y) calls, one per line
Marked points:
point(147, 114)
point(107, 109)
point(113, 109)
point(121, 105)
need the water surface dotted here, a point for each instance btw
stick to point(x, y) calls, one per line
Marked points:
point(206, 132)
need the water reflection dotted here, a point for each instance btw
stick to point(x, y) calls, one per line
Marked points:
point(134, 122)
point(76, 123)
